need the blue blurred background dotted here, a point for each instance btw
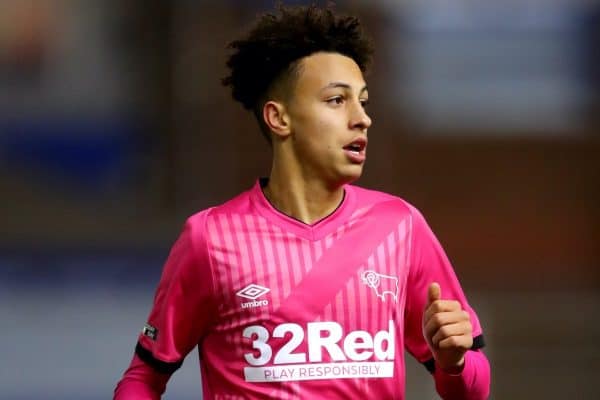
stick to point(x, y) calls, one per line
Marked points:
point(114, 128)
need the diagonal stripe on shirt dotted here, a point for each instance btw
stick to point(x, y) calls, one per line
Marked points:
point(328, 276)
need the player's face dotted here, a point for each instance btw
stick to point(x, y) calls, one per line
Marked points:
point(328, 118)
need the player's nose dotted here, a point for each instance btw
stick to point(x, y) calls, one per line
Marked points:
point(359, 119)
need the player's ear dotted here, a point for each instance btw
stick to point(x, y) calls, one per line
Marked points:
point(277, 118)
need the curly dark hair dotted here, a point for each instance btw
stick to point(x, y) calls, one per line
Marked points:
point(267, 57)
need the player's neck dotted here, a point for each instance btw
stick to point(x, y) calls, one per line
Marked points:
point(305, 200)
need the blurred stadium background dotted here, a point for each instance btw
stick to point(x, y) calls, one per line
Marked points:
point(114, 128)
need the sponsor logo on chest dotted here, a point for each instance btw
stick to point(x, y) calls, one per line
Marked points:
point(356, 354)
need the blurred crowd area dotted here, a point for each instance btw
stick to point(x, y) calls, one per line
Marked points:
point(114, 128)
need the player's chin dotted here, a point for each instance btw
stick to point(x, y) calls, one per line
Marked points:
point(351, 173)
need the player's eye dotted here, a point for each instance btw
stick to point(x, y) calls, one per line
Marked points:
point(364, 103)
point(337, 100)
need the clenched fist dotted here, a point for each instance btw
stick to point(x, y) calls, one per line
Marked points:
point(447, 329)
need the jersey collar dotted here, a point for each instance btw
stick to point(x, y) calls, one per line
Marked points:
point(314, 231)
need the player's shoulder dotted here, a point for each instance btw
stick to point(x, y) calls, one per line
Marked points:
point(370, 197)
point(390, 207)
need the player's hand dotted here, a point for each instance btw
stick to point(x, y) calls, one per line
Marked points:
point(447, 329)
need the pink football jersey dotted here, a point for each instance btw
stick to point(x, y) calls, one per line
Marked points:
point(282, 309)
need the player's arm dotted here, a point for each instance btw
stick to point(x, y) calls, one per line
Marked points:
point(442, 330)
point(141, 382)
point(183, 309)
point(448, 331)
point(459, 373)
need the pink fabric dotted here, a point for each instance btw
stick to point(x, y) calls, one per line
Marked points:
point(429, 263)
point(141, 382)
point(472, 384)
point(281, 309)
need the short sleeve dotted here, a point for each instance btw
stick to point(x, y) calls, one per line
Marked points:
point(429, 263)
point(184, 303)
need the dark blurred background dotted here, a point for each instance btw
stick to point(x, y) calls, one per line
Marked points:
point(114, 128)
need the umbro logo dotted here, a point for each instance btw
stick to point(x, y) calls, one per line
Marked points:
point(253, 292)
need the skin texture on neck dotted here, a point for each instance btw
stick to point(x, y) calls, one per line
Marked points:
point(305, 200)
point(311, 133)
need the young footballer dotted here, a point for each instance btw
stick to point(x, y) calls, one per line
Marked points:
point(305, 286)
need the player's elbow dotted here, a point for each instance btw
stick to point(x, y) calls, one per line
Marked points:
point(140, 382)
point(133, 389)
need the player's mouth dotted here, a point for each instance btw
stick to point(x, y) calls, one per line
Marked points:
point(356, 151)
